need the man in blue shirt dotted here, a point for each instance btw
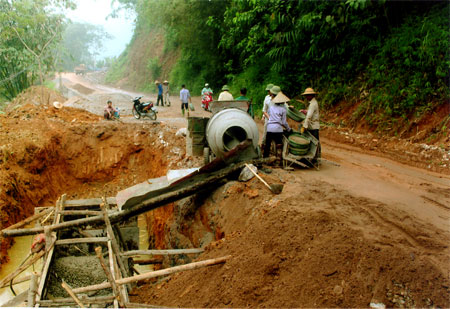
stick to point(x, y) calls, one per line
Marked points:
point(185, 98)
point(160, 93)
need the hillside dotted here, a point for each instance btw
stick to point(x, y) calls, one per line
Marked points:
point(385, 77)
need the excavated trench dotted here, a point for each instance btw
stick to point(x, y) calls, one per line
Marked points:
point(85, 159)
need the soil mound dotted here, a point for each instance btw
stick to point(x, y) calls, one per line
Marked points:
point(83, 89)
point(311, 246)
point(36, 95)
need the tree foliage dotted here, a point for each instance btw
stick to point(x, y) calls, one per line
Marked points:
point(29, 34)
point(81, 43)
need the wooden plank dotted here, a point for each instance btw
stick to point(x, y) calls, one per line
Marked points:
point(29, 219)
point(137, 305)
point(177, 191)
point(72, 241)
point(163, 252)
point(86, 300)
point(90, 202)
point(154, 274)
point(49, 254)
point(80, 212)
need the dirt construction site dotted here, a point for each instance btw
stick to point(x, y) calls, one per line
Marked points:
point(371, 227)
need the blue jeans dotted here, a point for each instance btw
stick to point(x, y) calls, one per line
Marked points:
point(160, 98)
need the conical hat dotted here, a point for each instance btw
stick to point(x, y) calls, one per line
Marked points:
point(309, 91)
point(165, 82)
point(280, 98)
point(57, 105)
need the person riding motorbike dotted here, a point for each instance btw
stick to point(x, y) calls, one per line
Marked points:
point(206, 96)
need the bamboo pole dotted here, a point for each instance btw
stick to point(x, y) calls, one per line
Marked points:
point(154, 274)
point(80, 212)
point(137, 305)
point(110, 277)
point(175, 192)
point(32, 290)
point(29, 219)
point(72, 241)
point(72, 294)
point(115, 246)
point(18, 280)
point(84, 299)
point(8, 278)
point(163, 252)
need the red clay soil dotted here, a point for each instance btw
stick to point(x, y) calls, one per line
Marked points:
point(312, 246)
point(46, 152)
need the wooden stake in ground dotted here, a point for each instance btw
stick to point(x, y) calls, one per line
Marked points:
point(154, 274)
point(72, 294)
point(32, 290)
point(110, 277)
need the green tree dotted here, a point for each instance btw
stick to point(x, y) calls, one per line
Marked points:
point(81, 44)
point(29, 34)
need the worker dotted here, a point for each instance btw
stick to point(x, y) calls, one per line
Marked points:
point(160, 93)
point(110, 112)
point(311, 122)
point(276, 116)
point(185, 98)
point(243, 97)
point(225, 95)
point(166, 95)
point(272, 91)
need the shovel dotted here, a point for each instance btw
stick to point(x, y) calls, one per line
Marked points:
point(275, 188)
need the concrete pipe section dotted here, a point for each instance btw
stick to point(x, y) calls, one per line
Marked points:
point(227, 128)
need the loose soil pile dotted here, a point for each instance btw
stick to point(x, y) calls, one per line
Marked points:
point(46, 152)
point(312, 246)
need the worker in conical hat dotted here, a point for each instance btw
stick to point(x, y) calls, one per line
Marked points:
point(311, 122)
point(277, 122)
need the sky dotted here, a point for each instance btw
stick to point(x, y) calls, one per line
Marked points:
point(120, 28)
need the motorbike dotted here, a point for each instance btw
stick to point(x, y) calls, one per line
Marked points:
point(206, 99)
point(143, 109)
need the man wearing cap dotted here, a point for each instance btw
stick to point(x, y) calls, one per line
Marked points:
point(165, 87)
point(160, 93)
point(225, 95)
point(267, 103)
point(276, 123)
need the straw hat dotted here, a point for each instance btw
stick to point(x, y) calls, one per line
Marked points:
point(280, 98)
point(309, 91)
point(165, 82)
point(275, 90)
point(156, 81)
point(57, 105)
point(225, 88)
point(269, 86)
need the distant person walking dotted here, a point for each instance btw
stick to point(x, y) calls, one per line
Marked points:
point(225, 95)
point(166, 93)
point(185, 98)
point(160, 93)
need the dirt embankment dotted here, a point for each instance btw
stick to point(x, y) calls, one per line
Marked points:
point(46, 152)
point(312, 246)
point(421, 140)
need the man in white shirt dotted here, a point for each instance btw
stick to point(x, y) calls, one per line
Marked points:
point(185, 98)
point(311, 122)
point(225, 95)
point(265, 108)
point(166, 95)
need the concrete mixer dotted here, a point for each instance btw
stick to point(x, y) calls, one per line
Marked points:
point(229, 126)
